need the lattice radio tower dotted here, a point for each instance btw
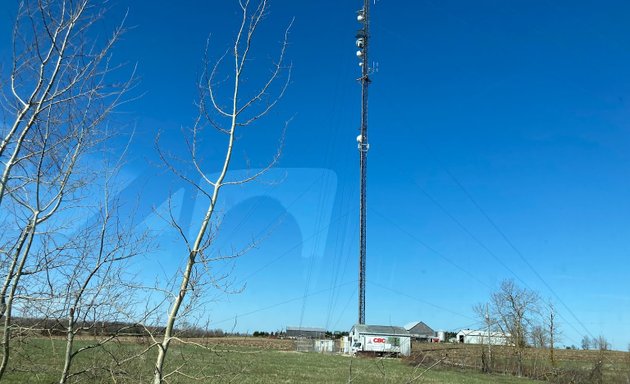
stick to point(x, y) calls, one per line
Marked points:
point(363, 38)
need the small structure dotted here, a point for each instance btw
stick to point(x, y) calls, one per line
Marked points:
point(324, 346)
point(470, 336)
point(419, 331)
point(305, 333)
point(345, 345)
point(380, 340)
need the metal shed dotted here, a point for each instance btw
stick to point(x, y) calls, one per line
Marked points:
point(421, 331)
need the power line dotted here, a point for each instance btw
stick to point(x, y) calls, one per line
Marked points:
point(295, 246)
point(431, 249)
point(421, 300)
point(515, 249)
point(483, 245)
point(469, 233)
point(301, 297)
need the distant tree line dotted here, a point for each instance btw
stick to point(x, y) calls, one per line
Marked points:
point(280, 334)
point(266, 334)
point(58, 327)
point(595, 343)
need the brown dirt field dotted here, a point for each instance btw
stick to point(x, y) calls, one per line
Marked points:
point(261, 343)
point(251, 342)
point(466, 351)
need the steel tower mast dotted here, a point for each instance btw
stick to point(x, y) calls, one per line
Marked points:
point(363, 36)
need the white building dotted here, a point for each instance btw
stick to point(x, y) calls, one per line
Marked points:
point(470, 336)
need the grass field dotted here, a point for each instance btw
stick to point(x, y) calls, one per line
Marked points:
point(231, 360)
point(253, 360)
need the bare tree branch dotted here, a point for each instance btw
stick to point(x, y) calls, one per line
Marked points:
point(197, 272)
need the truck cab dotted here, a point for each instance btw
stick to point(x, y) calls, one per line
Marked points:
point(357, 346)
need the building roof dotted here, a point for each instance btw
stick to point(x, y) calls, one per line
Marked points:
point(419, 328)
point(408, 326)
point(476, 332)
point(381, 329)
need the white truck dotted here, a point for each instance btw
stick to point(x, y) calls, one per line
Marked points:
point(379, 345)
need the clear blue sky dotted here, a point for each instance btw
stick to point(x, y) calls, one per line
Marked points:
point(499, 148)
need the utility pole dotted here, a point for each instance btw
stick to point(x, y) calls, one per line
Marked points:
point(362, 36)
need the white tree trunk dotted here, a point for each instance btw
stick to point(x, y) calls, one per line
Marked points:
point(235, 118)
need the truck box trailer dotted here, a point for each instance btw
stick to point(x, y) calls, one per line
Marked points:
point(380, 340)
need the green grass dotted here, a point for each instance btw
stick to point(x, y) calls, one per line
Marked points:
point(40, 360)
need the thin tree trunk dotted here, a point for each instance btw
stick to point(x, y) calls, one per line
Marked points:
point(190, 264)
point(69, 345)
point(6, 337)
point(233, 119)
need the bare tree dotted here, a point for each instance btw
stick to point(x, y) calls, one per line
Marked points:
point(601, 343)
point(539, 336)
point(553, 330)
point(56, 72)
point(514, 309)
point(85, 284)
point(93, 284)
point(227, 112)
point(586, 343)
point(58, 96)
point(483, 311)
